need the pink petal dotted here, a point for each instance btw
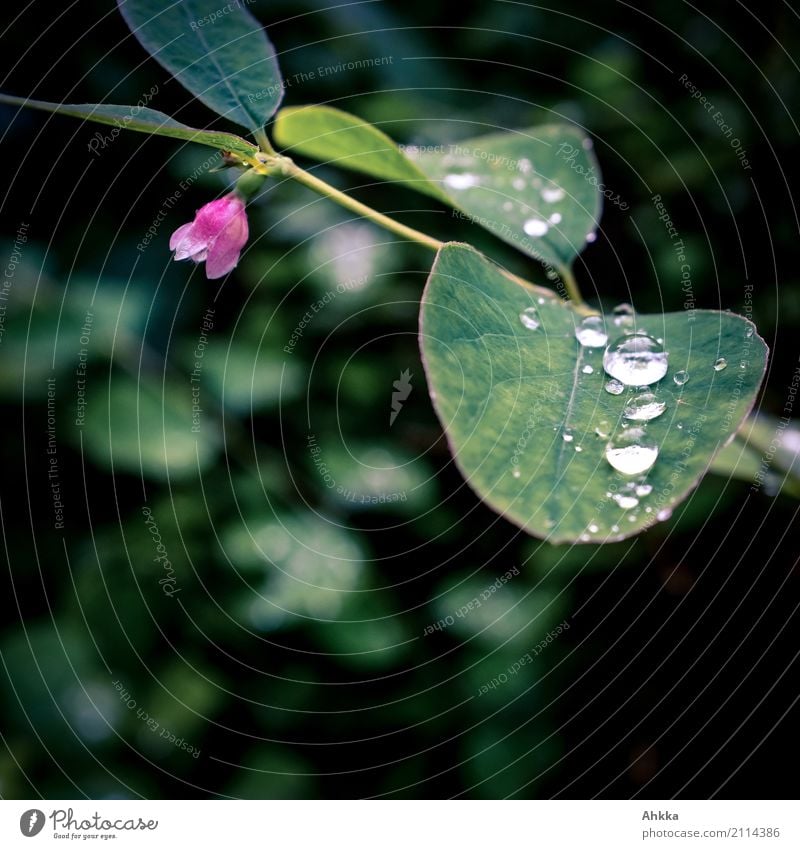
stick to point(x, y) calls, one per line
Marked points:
point(188, 242)
point(223, 255)
point(177, 237)
point(212, 218)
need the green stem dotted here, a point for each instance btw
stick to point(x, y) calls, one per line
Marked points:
point(269, 162)
point(571, 285)
point(328, 191)
point(264, 142)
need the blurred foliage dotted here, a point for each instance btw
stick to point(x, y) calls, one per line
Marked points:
point(262, 633)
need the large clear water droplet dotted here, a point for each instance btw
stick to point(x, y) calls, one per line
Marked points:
point(720, 364)
point(614, 387)
point(530, 318)
point(681, 377)
point(644, 407)
point(632, 452)
point(591, 332)
point(635, 360)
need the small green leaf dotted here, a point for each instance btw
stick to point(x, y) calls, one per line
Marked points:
point(528, 417)
point(333, 136)
point(764, 454)
point(536, 189)
point(532, 188)
point(138, 119)
point(219, 52)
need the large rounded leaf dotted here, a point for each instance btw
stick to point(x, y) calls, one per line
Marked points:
point(528, 417)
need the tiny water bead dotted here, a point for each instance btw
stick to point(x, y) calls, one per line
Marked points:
point(720, 364)
point(530, 318)
point(603, 429)
point(626, 502)
point(635, 360)
point(644, 407)
point(461, 181)
point(587, 369)
point(623, 315)
point(567, 437)
point(536, 227)
point(516, 473)
point(681, 377)
point(632, 452)
point(614, 387)
point(555, 218)
point(643, 489)
point(552, 195)
point(591, 332)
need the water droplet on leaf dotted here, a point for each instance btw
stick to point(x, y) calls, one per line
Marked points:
point(591, 332)
point(587, 369)
point(535, 227)
point(635, 360)
point(614, 387)
point(530, 318)
point(720, 364)
point(626, 502)
point(644, 407)
point(681, 377)
point(551, 195)
point(632, 452)
point(461, 181)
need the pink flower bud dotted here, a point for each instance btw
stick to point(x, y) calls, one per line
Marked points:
point(216, 236)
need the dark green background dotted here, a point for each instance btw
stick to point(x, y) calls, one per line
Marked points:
point(678, 673)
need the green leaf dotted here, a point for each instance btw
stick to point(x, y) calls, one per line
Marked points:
point(537, 189)
point(219, 52)
point(139, 119)
point(333, 136)
point(507, 395)
point(532, 188)
point(764, 454)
